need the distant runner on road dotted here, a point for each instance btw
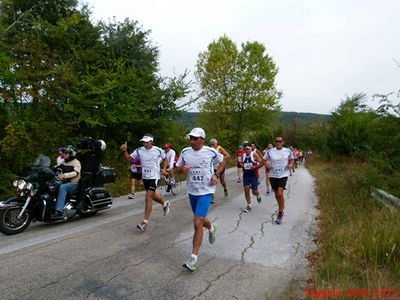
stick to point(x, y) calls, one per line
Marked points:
point(239, 157)
point(198, 162)
point(279, 160)
point(251, 162)
point(220, 149)
point(267, 182)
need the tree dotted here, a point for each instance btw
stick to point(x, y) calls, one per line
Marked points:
point(351, 122)
point(62, 77)
point(240, 100)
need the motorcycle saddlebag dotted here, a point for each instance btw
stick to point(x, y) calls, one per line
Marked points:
point(106, 175)
point(99, 197)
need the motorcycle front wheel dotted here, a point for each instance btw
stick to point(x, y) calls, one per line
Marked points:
point(9, 222)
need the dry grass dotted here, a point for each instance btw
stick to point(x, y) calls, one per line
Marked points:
point(359, 239)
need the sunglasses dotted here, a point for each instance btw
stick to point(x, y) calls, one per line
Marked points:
point(194, 138)
point(278, 141)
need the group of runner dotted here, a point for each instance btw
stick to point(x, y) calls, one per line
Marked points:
point(204, 166)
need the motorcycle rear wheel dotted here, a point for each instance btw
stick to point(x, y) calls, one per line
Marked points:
point(9, 224)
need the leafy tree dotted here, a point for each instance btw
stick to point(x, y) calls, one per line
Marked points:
point(62, 77)
point(351, 127)
point(240, 100)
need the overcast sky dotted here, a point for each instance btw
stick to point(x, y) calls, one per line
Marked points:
point(325, 50)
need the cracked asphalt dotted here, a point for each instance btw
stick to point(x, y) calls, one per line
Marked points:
point(106, 257)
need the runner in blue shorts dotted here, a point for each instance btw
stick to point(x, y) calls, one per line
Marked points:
point(251, 162)
point(200, 204)
point(198, 161)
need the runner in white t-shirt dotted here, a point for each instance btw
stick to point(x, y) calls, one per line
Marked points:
point(172, 159)
point(279, 161)
point(198, 163)
point(150, 160)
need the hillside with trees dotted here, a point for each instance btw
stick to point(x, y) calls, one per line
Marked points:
point(189, 119)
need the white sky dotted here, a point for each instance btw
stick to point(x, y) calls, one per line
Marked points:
point(325, 49)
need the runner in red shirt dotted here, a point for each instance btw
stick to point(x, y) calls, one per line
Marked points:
point(239, 158)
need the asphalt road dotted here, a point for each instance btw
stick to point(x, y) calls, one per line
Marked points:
point(106, 257)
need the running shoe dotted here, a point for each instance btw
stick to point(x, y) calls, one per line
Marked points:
point(226, 193)
point(268, 191)
point(259, 199)
point(190, 264)
point(131, 196)
point(166, 207)
point(212, 236)
point(212, 200)
point(172, 182)
point(142, 226)
point(247, 209)
point(238, 180)
point(279, 218)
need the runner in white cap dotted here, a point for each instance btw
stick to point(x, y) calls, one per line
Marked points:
point(150, 157)
point(198, 161)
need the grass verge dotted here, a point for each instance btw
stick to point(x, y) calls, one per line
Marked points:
point(358, 240)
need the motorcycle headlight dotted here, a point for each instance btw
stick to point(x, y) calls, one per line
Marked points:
point(21, 184)
point(15, 183)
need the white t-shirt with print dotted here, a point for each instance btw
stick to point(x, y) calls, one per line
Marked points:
point(170, 157)
point(279, 159)
point(201, 163)
point(150, 160)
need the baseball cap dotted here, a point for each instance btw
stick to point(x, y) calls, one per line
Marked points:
point(198, 132)
point(167, 146)
point(147, 138)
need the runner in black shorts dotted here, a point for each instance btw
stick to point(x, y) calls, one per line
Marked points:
point(150, 159)
point(279, 161)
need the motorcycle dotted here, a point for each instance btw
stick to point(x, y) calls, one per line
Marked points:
point(36, 194)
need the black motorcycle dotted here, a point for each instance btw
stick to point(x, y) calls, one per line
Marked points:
point(36, 194)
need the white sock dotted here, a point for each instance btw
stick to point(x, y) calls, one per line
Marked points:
point(194, 256)
point(145, 221)
point(212, 228)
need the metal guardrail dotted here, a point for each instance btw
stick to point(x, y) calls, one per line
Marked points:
point(390, 201)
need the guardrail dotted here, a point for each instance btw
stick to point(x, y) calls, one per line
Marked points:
point(390, 201)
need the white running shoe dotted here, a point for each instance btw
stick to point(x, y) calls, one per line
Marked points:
point(166, 207)
point(247, 209)
point(212, 236)
point(191, 264)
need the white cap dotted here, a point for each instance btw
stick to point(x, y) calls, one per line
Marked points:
point(198, 132)
point(147, 138)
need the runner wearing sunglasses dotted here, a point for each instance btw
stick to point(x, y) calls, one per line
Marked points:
point(279, 160)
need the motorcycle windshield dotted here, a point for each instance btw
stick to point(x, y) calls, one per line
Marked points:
point(42, 161)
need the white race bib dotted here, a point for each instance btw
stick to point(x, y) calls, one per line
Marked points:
point(247, 166)
point(198, 176)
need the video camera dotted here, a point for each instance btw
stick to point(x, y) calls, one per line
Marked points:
point(88, 143)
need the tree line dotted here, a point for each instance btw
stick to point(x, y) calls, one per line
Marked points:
point(357, 131)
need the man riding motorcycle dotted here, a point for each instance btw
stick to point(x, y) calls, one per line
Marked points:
point(71, 169)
